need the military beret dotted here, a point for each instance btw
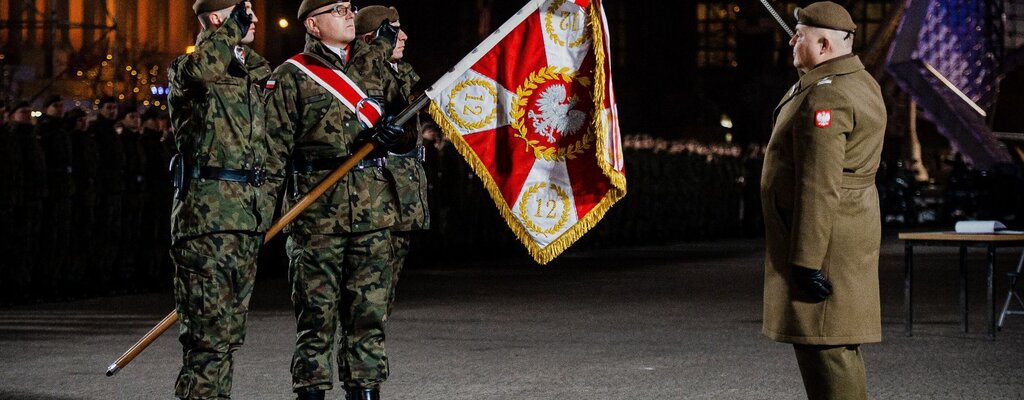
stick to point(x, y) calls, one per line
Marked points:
point(74, 113)
point(370, 17)
point(825, 14)
point(18, 105)
point(151, 112)
point(205, 6)
point(308, 6)
point(52, 99)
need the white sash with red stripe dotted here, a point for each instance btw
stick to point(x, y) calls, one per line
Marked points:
point(340, 85)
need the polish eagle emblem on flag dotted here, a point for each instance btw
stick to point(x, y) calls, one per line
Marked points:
point(532, 110)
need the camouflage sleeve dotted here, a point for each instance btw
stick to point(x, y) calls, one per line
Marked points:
point(212, 56)
point(408, 77)
point(283, 115)
point(381, 48)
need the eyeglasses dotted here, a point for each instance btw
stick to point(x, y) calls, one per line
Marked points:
point(339, 10)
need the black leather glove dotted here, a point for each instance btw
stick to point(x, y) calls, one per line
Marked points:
point(811, 283)
point(241, 15)
point(388, 135)
point(388, 32)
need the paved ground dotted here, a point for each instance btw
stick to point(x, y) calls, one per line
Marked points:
point(669, 322)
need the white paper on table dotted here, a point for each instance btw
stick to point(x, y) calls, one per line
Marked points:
point(979, 226)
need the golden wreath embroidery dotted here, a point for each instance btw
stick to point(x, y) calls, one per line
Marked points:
point(541, 212)
point(477, 110)
point(569, 22)
point(518, 114)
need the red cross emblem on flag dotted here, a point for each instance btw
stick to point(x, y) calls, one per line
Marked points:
point(532, 110)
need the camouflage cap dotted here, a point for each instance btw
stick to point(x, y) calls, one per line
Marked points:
point(825, 14)
point(308, 6)
point(370, 17)
point(205, 6)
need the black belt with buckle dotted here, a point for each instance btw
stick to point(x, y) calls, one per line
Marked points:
point(254, 177)
point(302, 166)
point(419, 153)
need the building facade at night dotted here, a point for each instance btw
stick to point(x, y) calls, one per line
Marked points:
point(86, 49)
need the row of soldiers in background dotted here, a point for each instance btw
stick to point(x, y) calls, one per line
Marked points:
point(677, 191)
point(84, 202)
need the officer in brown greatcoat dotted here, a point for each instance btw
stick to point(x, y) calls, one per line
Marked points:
point(821, 208)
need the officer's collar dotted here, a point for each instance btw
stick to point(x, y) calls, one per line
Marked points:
point(837, 66)
point(315, 46)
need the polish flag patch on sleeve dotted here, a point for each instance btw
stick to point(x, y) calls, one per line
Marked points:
point(271, 84)
point(823, 118)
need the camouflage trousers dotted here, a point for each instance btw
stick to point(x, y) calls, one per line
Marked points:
point(400, 243)
point(213, 280)
point(340, 288)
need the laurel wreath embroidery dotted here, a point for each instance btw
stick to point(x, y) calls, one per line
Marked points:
point(518, 114)
point(471, 126)
point(555, 5)
point(525, 212)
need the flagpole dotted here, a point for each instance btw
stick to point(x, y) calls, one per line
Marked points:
point(277, 227)
point(775, 14)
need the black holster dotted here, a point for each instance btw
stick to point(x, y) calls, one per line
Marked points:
point(179, 176)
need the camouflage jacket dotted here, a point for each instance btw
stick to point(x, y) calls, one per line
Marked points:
point(307, 122)
point(217, 110)
point(407, 170)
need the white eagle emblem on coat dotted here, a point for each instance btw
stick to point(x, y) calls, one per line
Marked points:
point(557, 114)
point(823, 118)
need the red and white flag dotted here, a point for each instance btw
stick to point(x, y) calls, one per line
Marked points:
point(532, 110)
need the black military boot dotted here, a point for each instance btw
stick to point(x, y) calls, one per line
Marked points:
point(359, 393)
point(314, 394)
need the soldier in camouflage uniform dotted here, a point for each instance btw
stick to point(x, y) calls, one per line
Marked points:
point(340, 247)
point(222, 206)
point(109, 191)
point(85, 160)
point(57, 224)
point(406, 169)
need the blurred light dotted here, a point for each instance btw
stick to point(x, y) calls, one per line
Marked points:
point(103, 63)
point(190, 49)
point(79, 73)
point(2, 56)
point(283, 23)
point(135, 73)
point(128, 68)
point(37, 114)
point(120, 97)
point(156, 103)
point(726, 121)
point(728, 137)
point(163, 107)
point(136, 90)
point(145, 103)
point(110, 57)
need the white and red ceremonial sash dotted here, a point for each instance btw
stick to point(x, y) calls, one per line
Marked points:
point(532, 110)
point(339, 85)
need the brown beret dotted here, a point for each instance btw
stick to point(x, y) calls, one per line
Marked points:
point(308, 6)
point(369, 18)
point(825, 14)
point(205, 6)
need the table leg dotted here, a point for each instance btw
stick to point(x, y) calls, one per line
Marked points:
point(991, 320)
point(908, 279)
point(963, 290)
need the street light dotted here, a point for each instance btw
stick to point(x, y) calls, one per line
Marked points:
point(283, 23)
